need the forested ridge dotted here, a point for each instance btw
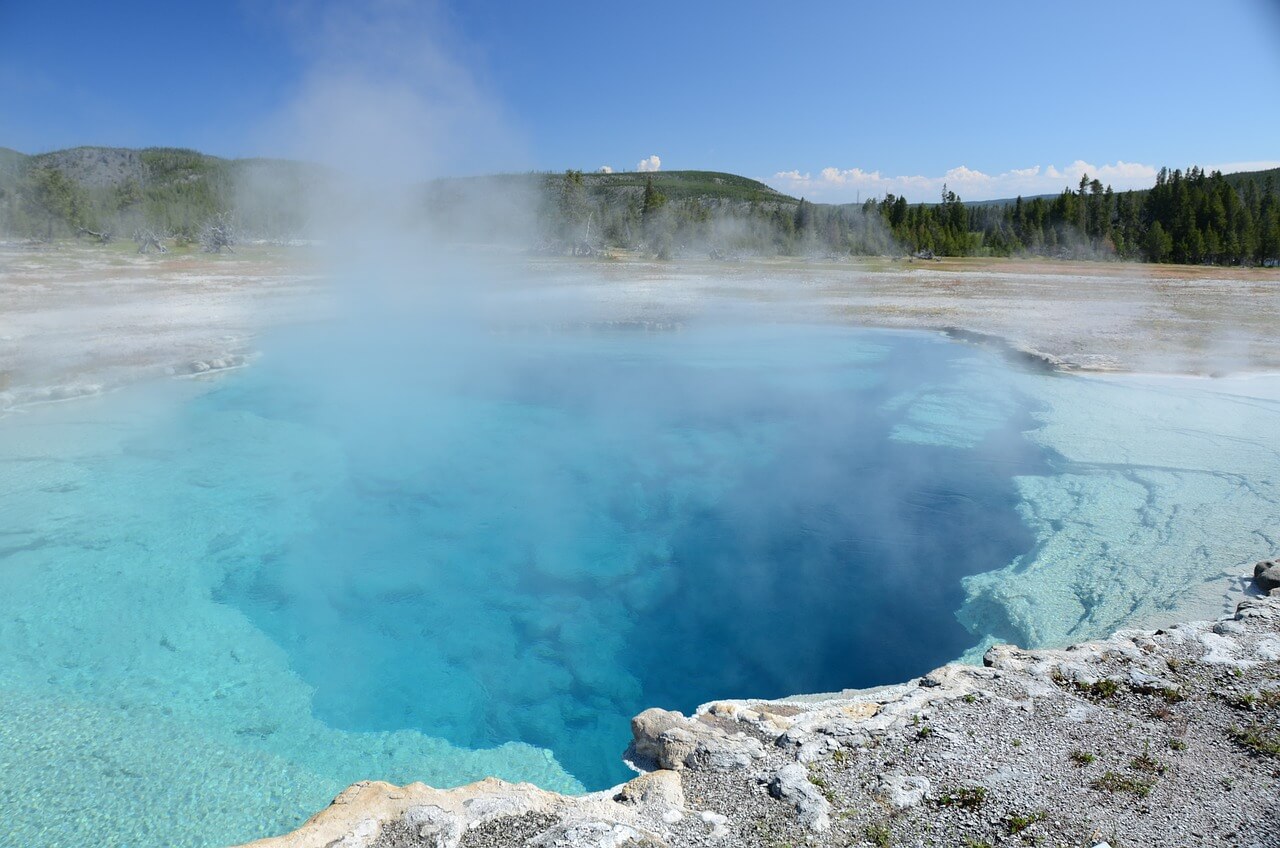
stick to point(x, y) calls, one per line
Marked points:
point(1190, 216)
point(115, 191)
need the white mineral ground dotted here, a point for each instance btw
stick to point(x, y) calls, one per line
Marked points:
point(82, 317)
point(1180, 741)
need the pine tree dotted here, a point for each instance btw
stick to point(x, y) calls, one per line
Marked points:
point(650, 211)
point(572, 205)
point(804, 220)
point(1159, 244)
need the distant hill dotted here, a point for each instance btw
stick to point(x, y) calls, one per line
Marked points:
point(683, 185)
point(1008, 201)
point(556, 210)
point(675, 185)
point(1241, 178)
point(167, 189)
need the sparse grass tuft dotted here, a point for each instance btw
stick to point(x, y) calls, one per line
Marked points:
point(1177, 745)
point(879, 835)
point(823, 787)
point(1259, 739)
point(1081, 758)
point(1113, 782)
point(1099, 690)
point(1240, 702)
point(1147, 763)
point(966, 797)
point(1264, 699)
point(1018, 823)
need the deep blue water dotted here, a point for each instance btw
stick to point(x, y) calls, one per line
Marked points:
point(533, 536)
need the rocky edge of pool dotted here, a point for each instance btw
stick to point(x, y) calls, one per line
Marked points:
point(1166, 737)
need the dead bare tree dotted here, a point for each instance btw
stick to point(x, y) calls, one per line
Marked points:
point(218, 235)
point(103, 237)
point(149, 240)
point(583, 246)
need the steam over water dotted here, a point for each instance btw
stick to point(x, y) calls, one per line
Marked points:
point(613, 520)
point(227, 600)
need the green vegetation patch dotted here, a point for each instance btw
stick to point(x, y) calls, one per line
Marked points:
point(1099, 690)
point(1147, 763)
point(1113, 782)
point(879, 835)
point(965, 797)
point(1016, 823)
point(1261, 740)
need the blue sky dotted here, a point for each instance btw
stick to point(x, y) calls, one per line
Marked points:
point(832, 100)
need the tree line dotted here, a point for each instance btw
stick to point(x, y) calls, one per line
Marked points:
point(1190, 217)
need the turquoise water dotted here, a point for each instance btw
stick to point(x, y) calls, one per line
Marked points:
point(222, 601)
point(595, 524)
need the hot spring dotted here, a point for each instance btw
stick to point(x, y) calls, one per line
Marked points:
point(223, 600)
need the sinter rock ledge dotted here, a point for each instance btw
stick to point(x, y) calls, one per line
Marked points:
point(1147, 738)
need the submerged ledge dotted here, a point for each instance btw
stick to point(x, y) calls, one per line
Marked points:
point(1145, 738)
point(1026, 357)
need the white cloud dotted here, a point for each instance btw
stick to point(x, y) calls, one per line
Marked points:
point(843, 185)
point(606, 169)
point(853, 175)
point(653, 163)
point(966, 176)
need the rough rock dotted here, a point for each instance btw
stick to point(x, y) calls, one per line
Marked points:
point(792, 784)
point(668, 740)
point(655, 788)
point(901, 791)
point(1267, 575)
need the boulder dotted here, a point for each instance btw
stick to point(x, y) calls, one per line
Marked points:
point(792, 784)
point(1266, 575)
point(660, 788)
point(902, 790)
point(667, 740)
